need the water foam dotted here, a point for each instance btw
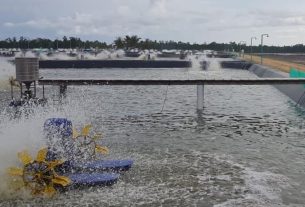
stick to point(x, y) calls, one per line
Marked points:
point(261, 189)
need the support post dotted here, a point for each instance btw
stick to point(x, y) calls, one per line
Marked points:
point(12, 91)
point(35, 89)
point(21, 90)
point(262, 49)
point(63, 90)
point(43, 92)
point(200, 96)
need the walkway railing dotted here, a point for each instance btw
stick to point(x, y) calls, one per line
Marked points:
point(199, 82)
point(253, 81)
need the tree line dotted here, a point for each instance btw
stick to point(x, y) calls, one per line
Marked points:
point(131, 42)
point(65, 42)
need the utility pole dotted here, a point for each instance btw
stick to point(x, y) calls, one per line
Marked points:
point(262, 46)
point(252, 38)
point(240, 44)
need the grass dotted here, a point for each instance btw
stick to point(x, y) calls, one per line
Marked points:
point(275, 64)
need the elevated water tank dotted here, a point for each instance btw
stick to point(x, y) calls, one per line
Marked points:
point(27, 69)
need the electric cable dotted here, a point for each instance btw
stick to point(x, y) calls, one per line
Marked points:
point(165, 98)
point(301, 100)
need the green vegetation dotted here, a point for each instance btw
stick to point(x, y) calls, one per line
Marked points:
point(72, 42)
point(129, 42)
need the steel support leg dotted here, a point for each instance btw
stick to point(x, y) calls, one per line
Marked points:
point(63, 91)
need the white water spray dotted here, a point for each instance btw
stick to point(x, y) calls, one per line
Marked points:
point(7, 70)
point(196, 65)
point(26, 133)
point(214, 65)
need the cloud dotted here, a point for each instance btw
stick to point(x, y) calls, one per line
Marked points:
point(193, 20)
point(124, 11)
point(256, 19)
point(88, 24)
point(8, 24)
point(158, 8)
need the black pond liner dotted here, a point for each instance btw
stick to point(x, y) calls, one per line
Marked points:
point(114, 64)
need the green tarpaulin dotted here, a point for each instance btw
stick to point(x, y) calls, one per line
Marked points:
point(294, 73)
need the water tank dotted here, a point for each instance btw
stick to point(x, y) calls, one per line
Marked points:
point(27, 69)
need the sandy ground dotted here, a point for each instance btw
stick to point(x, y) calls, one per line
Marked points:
point(282, 64)
point(298, 58)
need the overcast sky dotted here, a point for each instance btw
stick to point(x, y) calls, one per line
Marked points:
point(186, 20)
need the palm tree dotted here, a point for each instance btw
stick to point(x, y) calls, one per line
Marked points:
point(119, 43)
point(131, 41)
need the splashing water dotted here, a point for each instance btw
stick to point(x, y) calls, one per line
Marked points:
point(214, 65)
point(25, 132)
point(196, 65)
point(56, 56)
point(26, 54)
point(7, 70)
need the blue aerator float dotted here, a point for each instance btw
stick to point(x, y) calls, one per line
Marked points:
point(81, 167)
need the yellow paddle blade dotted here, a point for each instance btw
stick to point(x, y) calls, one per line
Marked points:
point(25, 157)
point(61, 180)
point(86, 130)
point(97, 136)
point(15, 171)
point(75, 133)
point(41, 155)
point(102, 150)
point(49, 191)
point(53, 164)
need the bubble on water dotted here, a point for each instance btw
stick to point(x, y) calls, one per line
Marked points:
point(262, 189)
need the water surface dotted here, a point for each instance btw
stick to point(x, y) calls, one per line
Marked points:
point(245, 148)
